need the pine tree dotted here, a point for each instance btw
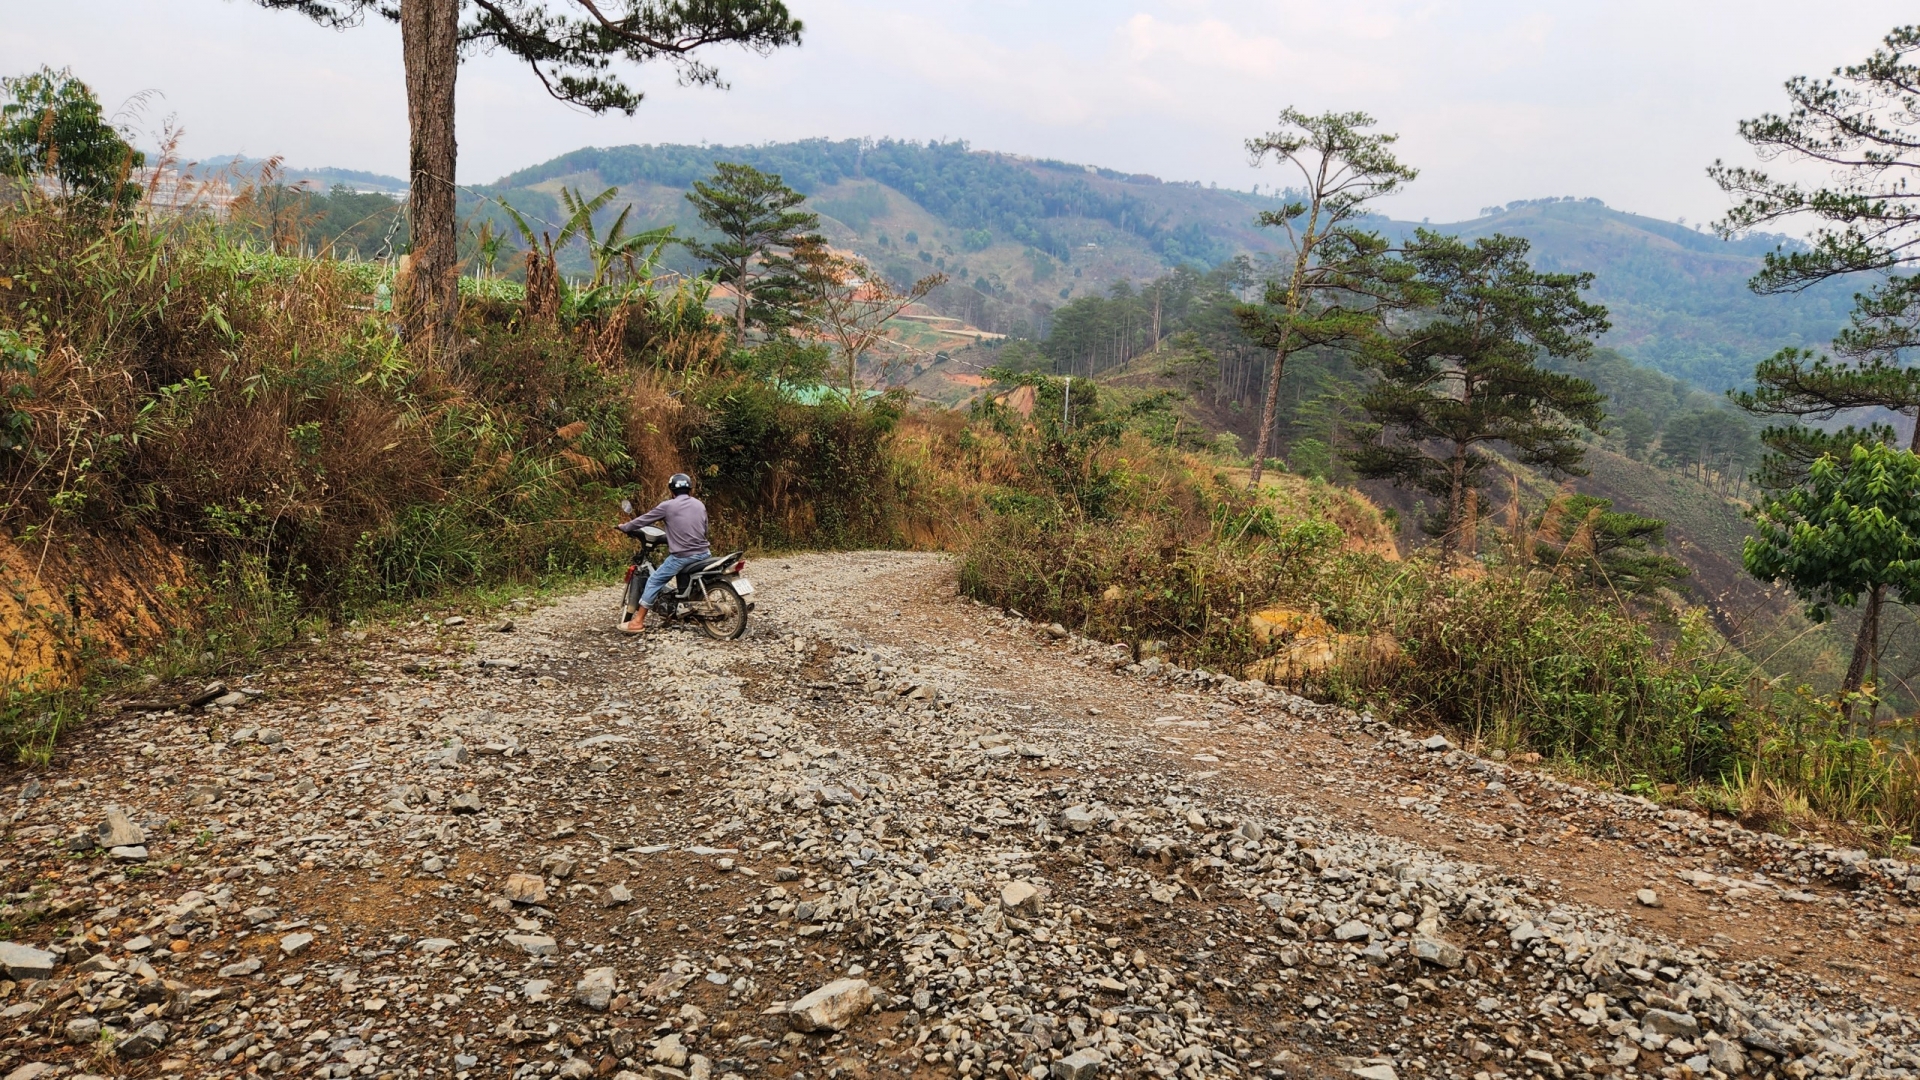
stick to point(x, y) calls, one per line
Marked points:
point(1586, 537)
point(1465, 376)
point(1343, 167)
point(760, 225)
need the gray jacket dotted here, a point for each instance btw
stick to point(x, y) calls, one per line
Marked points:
point(686, 524)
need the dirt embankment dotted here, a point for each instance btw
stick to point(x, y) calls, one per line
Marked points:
point(66, 602)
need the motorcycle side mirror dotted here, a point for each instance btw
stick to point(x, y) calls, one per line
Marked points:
point(626, 506)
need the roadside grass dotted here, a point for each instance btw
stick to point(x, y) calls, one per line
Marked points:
point(1157, 549)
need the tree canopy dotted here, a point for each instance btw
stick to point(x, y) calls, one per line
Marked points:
point(1857, 125)
point(51, 129)
point(760, 225)
point(571, 45)
point(1584, 536)
point(1466, 374)
point(1851, 530)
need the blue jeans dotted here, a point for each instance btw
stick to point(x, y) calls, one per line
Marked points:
point(662, 574)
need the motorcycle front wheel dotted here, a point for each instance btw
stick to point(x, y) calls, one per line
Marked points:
point(729, 613)
point(630, 602)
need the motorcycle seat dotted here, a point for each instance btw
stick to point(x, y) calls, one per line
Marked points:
point(716, 562)
point(685, 576)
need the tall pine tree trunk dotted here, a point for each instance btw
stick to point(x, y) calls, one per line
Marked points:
point(430, 42)
point(1296, 300)
point(1456, 504)
point(1272, 406)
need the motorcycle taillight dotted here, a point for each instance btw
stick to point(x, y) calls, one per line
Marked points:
point(629, 572)
point(739, 567)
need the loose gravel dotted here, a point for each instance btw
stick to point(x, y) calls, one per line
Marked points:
point(888, 832)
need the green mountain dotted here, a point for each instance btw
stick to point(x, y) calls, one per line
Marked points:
point(1018, 237)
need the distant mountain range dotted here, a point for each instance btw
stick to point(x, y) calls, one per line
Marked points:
point(324, 179)
point(1019, 236)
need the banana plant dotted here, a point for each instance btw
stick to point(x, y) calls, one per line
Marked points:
point(625, 265)
point(616, 247)
point(490, 244)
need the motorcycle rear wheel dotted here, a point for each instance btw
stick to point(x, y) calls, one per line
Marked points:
point(729, 618)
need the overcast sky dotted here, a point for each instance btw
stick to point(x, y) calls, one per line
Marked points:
point(1496, 100)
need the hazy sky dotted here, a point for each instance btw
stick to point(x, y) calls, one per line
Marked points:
point(1627, 100)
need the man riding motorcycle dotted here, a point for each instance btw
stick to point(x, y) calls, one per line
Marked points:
point(685, 519)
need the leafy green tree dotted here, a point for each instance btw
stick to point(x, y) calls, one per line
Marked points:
point(790, 361)
point(1851, 531)
point(570, 45)
point(760, 224)
point(1466, 375)
point(1604, 547)
point(1333, 288)
point(51, 129)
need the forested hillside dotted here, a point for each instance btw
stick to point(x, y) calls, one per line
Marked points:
point(1677, 295)
point(1020, 237)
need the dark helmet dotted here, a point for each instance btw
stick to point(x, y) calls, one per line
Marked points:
point(680, 484)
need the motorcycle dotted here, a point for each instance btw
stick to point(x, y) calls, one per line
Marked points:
point(710, 593)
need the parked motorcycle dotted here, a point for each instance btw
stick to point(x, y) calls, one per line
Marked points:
point(712, 593)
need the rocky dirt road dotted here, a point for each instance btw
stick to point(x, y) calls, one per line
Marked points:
point(889, 832)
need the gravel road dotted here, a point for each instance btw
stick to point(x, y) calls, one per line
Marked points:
point(888, 832)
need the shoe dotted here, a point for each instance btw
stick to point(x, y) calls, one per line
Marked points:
point(637, 625)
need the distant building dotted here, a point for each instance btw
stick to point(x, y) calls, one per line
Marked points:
point(164, 192)
point(168, 192)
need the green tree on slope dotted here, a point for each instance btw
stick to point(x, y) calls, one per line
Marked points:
point(760, 224)
point(1466, 376)
point(51, 128)
point(1851, 531)
point(1343, 166)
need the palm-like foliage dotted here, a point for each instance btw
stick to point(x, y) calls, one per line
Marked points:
point(626, 265)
